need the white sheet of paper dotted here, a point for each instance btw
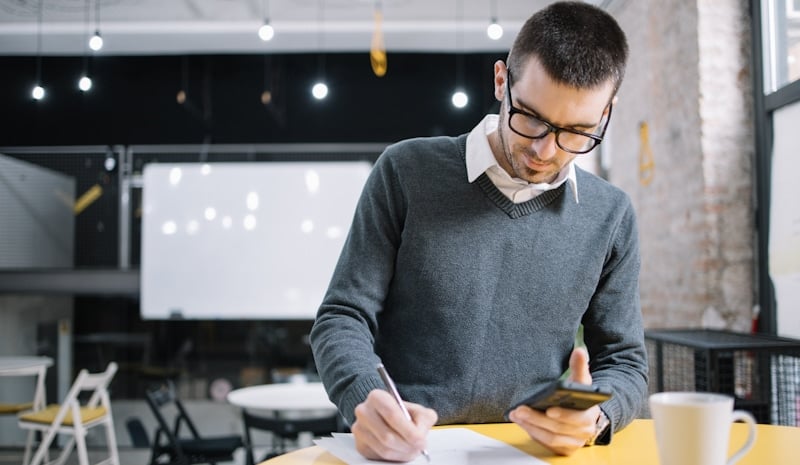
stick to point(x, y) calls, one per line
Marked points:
point(459, 446)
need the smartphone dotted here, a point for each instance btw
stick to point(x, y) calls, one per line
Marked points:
point(564, 394)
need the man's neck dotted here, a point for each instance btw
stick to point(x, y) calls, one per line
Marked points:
point(498, 151)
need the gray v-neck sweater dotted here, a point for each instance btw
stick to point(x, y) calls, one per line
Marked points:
point(472, 301)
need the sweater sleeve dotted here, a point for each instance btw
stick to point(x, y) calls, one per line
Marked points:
point(613, 329)
point(343, 335)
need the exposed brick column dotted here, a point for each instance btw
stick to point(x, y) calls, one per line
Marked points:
point(689, 80)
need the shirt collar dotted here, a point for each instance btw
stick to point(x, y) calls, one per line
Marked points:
point(480, 159)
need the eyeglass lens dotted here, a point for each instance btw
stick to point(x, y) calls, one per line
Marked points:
point(534, 128)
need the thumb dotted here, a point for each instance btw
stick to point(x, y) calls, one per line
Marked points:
point(579, 366)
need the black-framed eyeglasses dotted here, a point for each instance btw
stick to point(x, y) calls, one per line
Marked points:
point(533, 126)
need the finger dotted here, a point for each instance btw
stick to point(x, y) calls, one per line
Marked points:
point(573, 416)
point(424, 418)
point(375, 438)
point(579, 424)
point(415, 431)
point(386, 407)
point(364, 440)
point(371, 428)
point(557, 443)
point(555, 436)
point(391, 436)
point(528, 417)
point(579, 366)
point(378, 447)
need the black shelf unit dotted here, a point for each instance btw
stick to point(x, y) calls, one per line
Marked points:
point(761, 372)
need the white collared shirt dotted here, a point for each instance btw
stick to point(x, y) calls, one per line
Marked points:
point(480, 159)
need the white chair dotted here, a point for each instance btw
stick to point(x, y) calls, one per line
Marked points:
point(70, 417)
point(16, 409)
point(26, 366)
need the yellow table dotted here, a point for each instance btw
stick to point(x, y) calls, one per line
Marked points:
point(635, 445)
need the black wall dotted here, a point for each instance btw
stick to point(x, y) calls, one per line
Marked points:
point(133, 100)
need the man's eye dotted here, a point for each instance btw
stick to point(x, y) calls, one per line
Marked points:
point(534, 122)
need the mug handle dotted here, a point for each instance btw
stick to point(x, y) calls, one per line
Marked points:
point(745, 417)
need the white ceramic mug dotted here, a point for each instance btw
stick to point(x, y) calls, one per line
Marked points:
point(693, 428)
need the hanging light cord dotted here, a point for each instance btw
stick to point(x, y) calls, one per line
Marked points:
point(320, 20)
point(88, 36)
point(97, 15)
point(39, 44)
point(88, 22)
point(87, 13)
point(185, 74)
point(459, 40)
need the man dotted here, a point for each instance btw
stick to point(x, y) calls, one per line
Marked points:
point(472, 261)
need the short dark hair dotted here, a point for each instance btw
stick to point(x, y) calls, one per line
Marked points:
point(578, 44)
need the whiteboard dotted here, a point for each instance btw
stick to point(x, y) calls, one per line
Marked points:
point(784, 227)
point(243, 240)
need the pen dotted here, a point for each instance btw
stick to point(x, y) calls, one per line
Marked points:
point(387, 380)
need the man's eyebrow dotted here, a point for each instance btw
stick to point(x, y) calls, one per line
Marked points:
point(577, 126)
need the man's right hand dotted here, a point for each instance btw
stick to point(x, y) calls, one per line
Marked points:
point(382, 432)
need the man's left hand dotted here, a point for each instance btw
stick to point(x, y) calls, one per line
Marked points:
point(562, 430)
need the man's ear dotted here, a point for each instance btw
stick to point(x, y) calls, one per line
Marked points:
point(500, 79)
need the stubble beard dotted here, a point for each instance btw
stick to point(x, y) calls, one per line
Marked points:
point(518, 167)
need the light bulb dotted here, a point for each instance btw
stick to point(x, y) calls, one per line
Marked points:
point(38, 92)
point(266, 31)
point(96, 42)
point(460, 99)
point(319, 91)
point(110, 163)
point(494, 31)
point(85, 83)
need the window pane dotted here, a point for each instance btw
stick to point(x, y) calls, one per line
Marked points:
point(781, 43)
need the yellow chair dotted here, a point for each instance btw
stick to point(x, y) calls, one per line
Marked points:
point(70, 417)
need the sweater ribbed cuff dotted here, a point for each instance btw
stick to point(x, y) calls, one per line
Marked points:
point(356, 394)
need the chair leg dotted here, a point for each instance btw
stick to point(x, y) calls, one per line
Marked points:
point(44, 447)
point(65, 452)
point(111, 440)
point(80, 442)
point(28, 444)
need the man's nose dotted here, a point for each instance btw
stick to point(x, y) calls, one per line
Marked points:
point(546, 147)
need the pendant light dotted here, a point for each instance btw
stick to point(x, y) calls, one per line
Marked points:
point(460, 99)
point(494, 30)
point(85, 82)
point(319, 90)
point(96, 41)
point(266, 32)
point(377, 50)
point(38, 92)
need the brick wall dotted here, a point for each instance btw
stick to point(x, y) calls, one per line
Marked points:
point(689, 80)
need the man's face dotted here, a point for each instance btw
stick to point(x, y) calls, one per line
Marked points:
point(535, 93)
